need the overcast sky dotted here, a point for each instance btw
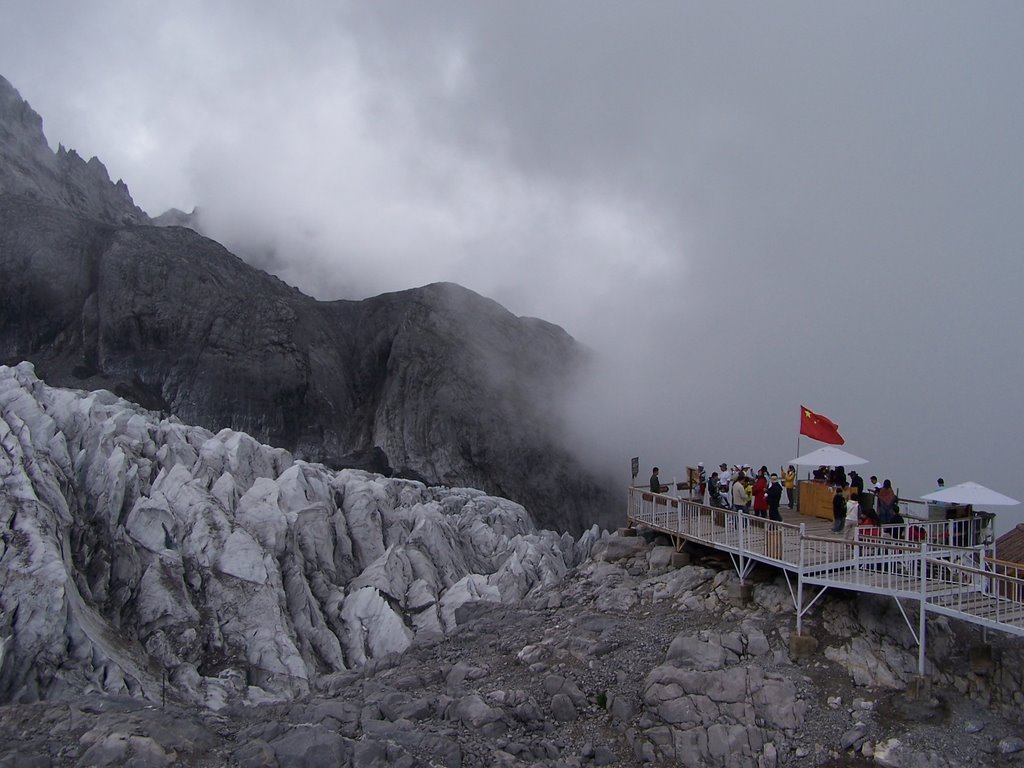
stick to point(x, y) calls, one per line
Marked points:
point(743, 207)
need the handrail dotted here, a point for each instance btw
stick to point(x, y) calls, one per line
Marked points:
point(1007, 563)
point(951, 579)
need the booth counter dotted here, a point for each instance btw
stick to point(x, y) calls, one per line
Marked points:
point(815, 499)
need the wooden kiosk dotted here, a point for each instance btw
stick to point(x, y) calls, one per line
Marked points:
point(814, 499)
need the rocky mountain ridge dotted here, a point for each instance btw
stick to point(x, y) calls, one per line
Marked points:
point(62, 179)
point(434, 383)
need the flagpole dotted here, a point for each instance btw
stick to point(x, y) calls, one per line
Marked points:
point(798, 436)
point(798, 431)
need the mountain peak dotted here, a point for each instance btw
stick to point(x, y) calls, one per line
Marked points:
point(63, 179)
point(16, 112)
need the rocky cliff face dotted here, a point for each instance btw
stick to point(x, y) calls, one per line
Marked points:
point(435, 383)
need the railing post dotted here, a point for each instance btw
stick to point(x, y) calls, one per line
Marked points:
point(800, 582)
point(856, 546)
point(922, 624)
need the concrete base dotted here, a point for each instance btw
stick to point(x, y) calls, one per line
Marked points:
point(919, 688)
point(680, 560)
point(981, 662)
point(802, 646)
point(626, 531)
point(744, 593)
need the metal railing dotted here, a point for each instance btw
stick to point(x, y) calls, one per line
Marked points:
point(959, 532)
point(725, 529)
point(918, 559)
point(1007, 578)
point(983, 595)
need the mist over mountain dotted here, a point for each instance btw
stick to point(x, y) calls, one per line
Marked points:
point(434, 383)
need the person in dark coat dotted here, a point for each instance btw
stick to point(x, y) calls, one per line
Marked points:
point(715, 493)
point(838, 511)
point(774, 495)
point(886, 500)
point(656, 486)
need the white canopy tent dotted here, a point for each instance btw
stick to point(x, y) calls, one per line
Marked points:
point(971, 493)
point(828, 456)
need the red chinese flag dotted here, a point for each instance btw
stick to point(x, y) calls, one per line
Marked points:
point(817, 427)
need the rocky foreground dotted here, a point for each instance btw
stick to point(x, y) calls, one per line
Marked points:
point(627, 661)
point(169, 596)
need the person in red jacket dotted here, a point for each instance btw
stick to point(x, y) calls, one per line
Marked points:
point(761, 494)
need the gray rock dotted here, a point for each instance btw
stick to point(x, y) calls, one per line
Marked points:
point(757, 643)
point(562, 708)
point(119, 748)
point(851, 738)
point(622, 707)
point(617, 548)
point(474, 712)
point(868, 664)
point(732, 641)
point(255, 754)
point(342, 716)
point(370, 752)
point(618, 600)
point(890, 753)
point(1011, 745)
point(528, 711)
point(660, 559)
point(605, 756)
point(554, 684)
point(309, 747)
point(392, 705)
point(692, 652)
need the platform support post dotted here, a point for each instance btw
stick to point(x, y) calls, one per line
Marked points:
point(922, 623)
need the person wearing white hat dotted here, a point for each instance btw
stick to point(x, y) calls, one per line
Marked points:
point(724, 478)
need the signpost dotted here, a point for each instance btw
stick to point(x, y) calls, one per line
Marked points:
point(636, 466)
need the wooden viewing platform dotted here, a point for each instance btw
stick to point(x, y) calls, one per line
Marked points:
point(918, 561)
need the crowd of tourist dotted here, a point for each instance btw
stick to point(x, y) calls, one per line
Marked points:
point(760, 493)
